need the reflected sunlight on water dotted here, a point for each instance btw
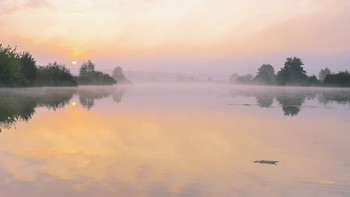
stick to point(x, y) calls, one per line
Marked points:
point(177, 140)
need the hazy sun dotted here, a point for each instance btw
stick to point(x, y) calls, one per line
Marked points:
point(74, 62)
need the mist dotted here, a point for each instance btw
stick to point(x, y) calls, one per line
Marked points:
point(174, 98)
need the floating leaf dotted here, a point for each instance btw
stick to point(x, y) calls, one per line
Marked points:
point(266, 162)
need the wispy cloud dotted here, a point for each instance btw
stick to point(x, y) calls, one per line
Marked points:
point(81, 28)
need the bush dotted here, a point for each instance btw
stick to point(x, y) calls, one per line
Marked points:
point(88, 76)
point(340, 79)
point(55, 74)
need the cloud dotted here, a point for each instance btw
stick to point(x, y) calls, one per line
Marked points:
point(8, 6)
point(77, 29)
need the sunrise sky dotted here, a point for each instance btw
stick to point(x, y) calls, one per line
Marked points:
point(201, 36)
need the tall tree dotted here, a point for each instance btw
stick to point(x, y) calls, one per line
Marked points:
point(86, 68)
point(10, 66)
point(323, 73)
point(233, 78)
point(118, 75)
point(248, 78)
point(28, 67)
point(88, 75)
point(265, 74)
point(292, 73)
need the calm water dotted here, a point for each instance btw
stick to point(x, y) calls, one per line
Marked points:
point(174, 140)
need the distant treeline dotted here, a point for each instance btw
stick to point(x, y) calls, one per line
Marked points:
point(293, 73)
point(20, 70)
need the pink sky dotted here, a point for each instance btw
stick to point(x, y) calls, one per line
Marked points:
point(202, 36)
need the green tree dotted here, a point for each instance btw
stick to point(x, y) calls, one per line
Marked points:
point(28, 68)
point(265, 74)
point(323, 73)
point(55, 74)
point(313, 80)
point(87, 68)
point(292, 73)
point(341, 79)
point(88, 75)
point(10, 66)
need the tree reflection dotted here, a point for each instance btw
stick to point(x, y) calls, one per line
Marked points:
point(340, 97)
point(13, 109)
point(117, 95)
point(292, 99)
point(87, 97)
point(20, 104)
point(264, 100)
point(291, 104)
point(54, 99)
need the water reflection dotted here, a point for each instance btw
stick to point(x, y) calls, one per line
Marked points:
point(292, 99)
point(291, 104)
point(87, 97)
point(176, 141)
point(264, 99)
point(339, 96)
point(20, 104)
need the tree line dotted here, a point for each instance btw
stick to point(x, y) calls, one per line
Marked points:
point(19, 69)
point(293, 73)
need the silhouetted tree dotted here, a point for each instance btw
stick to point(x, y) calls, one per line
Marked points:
point(88, 75)
point(10, 66)
point(28, 67)
point(233, 78)
point(87, 68)
point(265, 74)
point(248, 78)
point(55, 74)
point(292, 73)
point(118, 75)
point(312, 80)
point(323, 73)
point(340, 79)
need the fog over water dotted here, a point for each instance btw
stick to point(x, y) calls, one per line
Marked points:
point(184, 139)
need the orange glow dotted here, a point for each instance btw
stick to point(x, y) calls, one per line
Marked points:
point(74, 103)
point(85, 28)
point(74, 62)
point(193, 147)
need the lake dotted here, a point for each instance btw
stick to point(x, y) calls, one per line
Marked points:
point(175, 140)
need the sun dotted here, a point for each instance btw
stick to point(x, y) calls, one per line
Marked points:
point(74, 62)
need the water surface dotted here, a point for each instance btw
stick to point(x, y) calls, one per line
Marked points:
point(174, 140)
